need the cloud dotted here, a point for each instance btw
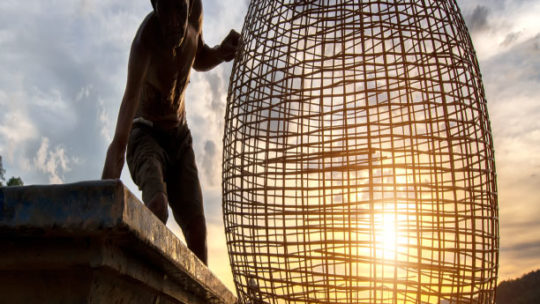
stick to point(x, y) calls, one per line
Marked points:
point(518, 259)
point(512, 82)
point(218, 90)
point(525, 250)
point(53, 162)
point(511, 38)
point(64, 72)
point(498, 25)
point(16, 127)
point(209, 163)
point(206, 99)
point(105, 121)
point(478, 19)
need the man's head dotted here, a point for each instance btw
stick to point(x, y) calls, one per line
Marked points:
point(173, 19)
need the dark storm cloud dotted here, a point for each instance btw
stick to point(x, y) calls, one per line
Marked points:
point(510, 38)
point(533, 225)
point(468, 6)
point(477, 20)
point(210, 148)
point(525, 250)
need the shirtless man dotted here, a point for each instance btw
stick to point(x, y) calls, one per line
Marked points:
point(152, 119)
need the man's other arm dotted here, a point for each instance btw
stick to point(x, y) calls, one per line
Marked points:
point(207, 57)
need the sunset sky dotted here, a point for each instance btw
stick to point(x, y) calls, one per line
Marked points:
point(63, 66)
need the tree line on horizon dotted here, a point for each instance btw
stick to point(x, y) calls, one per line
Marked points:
point(13, 181)
point(524, 290)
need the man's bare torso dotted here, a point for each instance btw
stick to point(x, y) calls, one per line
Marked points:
point(168, 44)
point(162, 93)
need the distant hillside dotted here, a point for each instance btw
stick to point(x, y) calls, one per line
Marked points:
point(525, 290)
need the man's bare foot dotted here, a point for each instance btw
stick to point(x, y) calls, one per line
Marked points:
point(158, 206)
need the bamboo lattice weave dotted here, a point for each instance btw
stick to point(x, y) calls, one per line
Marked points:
point(358, 160)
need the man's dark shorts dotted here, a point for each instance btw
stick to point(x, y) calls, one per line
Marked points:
point(164, 161)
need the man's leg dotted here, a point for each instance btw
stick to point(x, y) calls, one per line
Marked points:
point(158, 205)
point(146, 161)
point(185, 199)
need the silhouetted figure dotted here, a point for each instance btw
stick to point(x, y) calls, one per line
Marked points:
point(152, 119)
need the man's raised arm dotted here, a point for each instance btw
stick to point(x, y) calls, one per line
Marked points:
point(137, 68)
point(207, 57)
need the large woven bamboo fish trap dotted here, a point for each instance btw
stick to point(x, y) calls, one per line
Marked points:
point(358, 159)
